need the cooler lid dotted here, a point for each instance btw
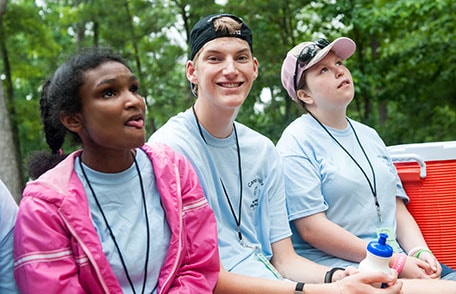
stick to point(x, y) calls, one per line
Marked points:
point(426, 151)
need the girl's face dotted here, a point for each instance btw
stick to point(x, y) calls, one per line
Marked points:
point(113, 112)
point(329, 85)
point(224, 71)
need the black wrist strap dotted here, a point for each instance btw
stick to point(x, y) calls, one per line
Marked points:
point(329, 274)
point(299, 288)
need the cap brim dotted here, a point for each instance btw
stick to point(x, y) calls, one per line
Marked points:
point(342, 47)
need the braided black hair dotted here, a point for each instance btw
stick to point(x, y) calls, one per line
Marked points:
point(60, 94)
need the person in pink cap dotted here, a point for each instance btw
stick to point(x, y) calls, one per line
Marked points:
point(341, 186)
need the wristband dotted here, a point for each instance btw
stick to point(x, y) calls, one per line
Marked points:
point(414, 250)
point(299, 289)
point(329, 274)
point(418, 253)
point(399, 262)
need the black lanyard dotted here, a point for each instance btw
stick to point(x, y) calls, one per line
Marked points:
point(236, 219)
point(372, 186)
point(110, 229)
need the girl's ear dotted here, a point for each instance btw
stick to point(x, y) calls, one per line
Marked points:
point(305, 96)
point(72, 121)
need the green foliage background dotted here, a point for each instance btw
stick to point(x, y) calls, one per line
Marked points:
point(404, 67)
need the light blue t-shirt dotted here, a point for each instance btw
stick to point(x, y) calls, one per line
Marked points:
point(321, 177)
point(121, 200)
point(8, 212)
point(264, 217)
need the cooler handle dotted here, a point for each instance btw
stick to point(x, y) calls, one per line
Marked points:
point(411, 157)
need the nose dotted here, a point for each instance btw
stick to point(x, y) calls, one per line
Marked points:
point(230, 67)
point(340, 72)
point(134, 100)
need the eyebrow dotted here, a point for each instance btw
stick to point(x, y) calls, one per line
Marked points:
point(212, 51)
point(113, 80)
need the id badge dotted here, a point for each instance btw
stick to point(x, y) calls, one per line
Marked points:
point(268, 264)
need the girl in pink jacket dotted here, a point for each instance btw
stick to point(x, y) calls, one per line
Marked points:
point(117, 216)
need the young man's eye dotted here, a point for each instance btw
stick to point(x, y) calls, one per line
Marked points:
point(213, 58)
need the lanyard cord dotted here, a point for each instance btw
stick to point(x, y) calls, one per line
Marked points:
point(111, 232)
point(238, 221)
point(372, 186)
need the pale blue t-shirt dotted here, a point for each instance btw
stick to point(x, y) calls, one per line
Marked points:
point(321, 177)
point(264, 217)
point(8, 212)
point(121, 200)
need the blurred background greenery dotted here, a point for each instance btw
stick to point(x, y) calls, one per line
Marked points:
point(404, 68)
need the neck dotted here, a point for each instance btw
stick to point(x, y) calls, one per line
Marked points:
point(218, 122)
point(108, 161)
point(335, 120)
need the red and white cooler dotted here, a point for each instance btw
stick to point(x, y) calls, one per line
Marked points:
point(428, 173)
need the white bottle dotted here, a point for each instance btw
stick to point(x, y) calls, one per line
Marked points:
point(378, 255)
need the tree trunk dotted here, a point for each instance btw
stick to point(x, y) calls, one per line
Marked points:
point(9, 171)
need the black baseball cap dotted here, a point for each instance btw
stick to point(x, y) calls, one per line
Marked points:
point(203, 31)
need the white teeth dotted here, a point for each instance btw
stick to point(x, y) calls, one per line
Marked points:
point(232, 85)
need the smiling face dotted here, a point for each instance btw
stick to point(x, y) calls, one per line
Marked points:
point(113, 112)
point(329, 85)
point(224, 71)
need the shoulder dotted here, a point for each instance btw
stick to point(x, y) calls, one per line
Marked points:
point(8, 211)
point(302, 131)
point(6, 199)
point(365, 129)
point(176, 132)
point(53, 185)
point(247, 134)
point(164, 158)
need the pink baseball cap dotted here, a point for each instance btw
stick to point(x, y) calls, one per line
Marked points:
point(310, 53)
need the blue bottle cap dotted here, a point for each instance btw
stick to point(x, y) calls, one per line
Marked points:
point(380, 248)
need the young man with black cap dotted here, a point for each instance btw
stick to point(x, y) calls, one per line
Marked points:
point(241, 172)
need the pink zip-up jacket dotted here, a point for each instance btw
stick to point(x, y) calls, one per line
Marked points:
point(57, 250)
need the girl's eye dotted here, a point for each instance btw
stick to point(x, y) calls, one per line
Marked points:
point(134, 88)
point(323, 70)
point(339, 63)
point(108, 93)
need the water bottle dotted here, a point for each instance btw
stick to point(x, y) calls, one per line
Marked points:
point(378, 254)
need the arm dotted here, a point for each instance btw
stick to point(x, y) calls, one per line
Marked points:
point(42, 251)
point(229, 283)
point(297, 268)
point(8, 211)
point(329, 237)
point(409, 236)
point(199, 270)
point(294, 267)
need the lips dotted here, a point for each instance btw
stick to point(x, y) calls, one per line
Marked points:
point(136, 121)
point(230, 85)
point(344, 82)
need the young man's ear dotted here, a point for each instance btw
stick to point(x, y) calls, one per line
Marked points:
point(304, 96)
point(256, 65)
point(72, 121)
point(191, 72)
